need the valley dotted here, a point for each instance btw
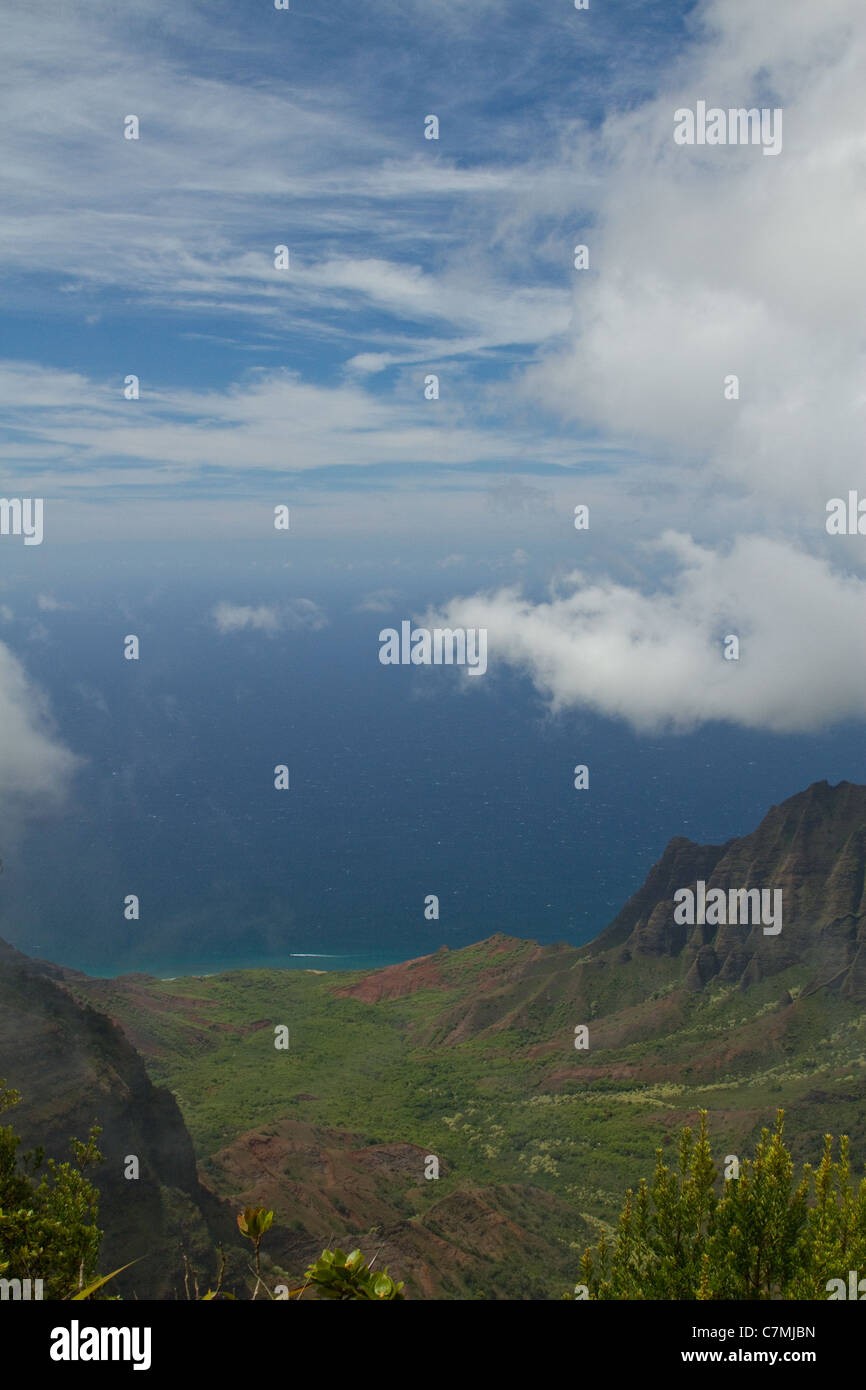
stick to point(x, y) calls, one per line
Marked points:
point(468, 1056)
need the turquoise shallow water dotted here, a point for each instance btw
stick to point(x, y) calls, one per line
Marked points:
point(296, 962)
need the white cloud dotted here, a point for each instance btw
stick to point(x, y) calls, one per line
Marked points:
point(704, 262)
point(707, 262)
point(187, 216)
point(301, 613)
point(655, 659)
point(713, 261)
point(85, 435)
point(35, 766)
point(235, 617)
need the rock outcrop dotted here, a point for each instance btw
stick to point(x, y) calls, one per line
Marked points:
point(73, 1067)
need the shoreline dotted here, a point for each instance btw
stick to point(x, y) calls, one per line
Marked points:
point(295, 961)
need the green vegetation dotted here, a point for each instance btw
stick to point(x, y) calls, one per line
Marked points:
point(48, 1227)
point(252, 1223)
point(48, 1232)
point(445, 1109)
point(337, 1275)
point(761, 1234)
point(475, 1063)
point(766, 1236)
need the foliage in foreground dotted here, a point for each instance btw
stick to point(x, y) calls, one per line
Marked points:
point(48, 1227)
point(768, 1235)
point(337, 1275)
point(48, 1231)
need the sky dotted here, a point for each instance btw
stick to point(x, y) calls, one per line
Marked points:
point(409, 257)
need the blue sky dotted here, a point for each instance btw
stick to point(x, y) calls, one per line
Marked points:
point(303, 128)
point(455, 257)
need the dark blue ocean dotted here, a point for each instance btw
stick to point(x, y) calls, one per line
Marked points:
point(404, 783)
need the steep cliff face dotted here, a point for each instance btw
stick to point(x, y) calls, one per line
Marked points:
point(812, 849)
point(468, 1055)
point(73, 1067)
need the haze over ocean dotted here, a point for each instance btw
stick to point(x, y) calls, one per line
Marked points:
point(404, 782)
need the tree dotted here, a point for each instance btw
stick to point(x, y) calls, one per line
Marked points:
point(48, 1227)
point(765, 1235)
point(48, 1230)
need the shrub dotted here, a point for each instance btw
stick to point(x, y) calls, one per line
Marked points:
point(766, 1236)
point(48, 1227)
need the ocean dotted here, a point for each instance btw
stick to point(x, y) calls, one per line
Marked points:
point(404, 783)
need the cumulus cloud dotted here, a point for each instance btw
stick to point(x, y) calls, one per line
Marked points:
point(301, 613)
point(715, 261)
point(35, 766)
point(655, 659)
point(236, 617)
point(707, 263)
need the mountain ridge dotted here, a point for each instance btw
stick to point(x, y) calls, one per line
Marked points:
point(469, 1055)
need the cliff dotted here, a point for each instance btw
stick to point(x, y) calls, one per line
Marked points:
point(813, 849)
point(73, 1067)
